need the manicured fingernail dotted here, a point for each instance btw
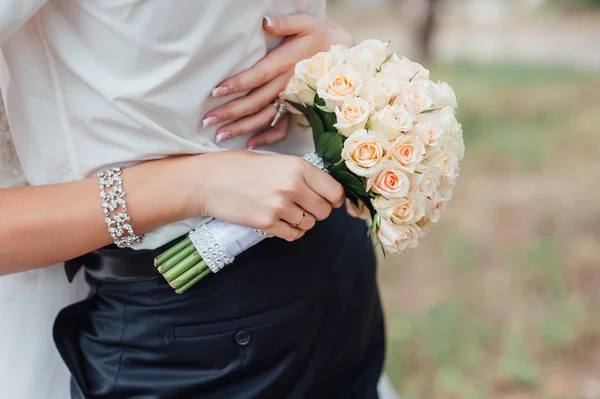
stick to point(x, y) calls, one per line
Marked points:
point(220, 92)
point(223, 136)
point(251, 147)
point(209, 121)
point(269, 22)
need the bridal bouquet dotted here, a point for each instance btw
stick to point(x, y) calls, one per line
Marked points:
point(381, 128)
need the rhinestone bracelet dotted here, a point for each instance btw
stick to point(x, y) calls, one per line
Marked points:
point(113, 197)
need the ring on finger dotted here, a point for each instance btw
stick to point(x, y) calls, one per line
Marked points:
point(281, 110)
point(301, 220)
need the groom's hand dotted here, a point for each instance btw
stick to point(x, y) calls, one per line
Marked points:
point(304, 36)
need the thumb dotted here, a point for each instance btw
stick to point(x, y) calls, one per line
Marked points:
point(290, 25)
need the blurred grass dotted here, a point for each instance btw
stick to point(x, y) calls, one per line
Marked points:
point(501, 300)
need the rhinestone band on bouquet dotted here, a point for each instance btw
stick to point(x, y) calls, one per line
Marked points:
point(381, 128)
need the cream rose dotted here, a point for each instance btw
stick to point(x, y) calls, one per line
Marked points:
point(398, 238)
point(392, 121)
point(377, 48)
point(453, 144)
point(342, 83)
point(435, 206)
point(391, 181)
point(427, 182)
point(298, 91)
point(365, 152)
point(405, 69)
point(314, 68)
point(352, 115)
point(406, 210)
point(380, 90)
point(414, 97)
point(447, 188)
point(362, 59)
point(446, 161)
point(442, 94)
point(408, 151)
point(429, 132)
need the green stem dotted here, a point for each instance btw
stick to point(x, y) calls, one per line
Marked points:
point(175, 259)
point(188, 275)
point(182, 266)
point(162, 258)
point(193, 282)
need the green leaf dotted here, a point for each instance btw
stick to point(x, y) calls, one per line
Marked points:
point(327, 115)
point(350, 182)
point(329, 147)
point(329, 120)
point(313, 119)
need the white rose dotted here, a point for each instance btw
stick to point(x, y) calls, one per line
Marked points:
point(406, 210)
point(455, 145)
point(442, 95)
point(429, 132)
point(378, 49)
point(298, 91)
point(427, 182)
point(338, 53)
point(446, 161)
point(447, 188)
point(391, 181)
point(405, 70)
point(398, 238)
point(392, 121)
point(352, 115)
point(435, 206)
point(380, 90)
point(408, 151)
point(314, 68)
point(365, 152)
point(341, 83)
point(415, 97)
point(362, 59)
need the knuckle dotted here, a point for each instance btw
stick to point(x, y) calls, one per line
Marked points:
point(268, 222)
point(324, 212)
point(279, 205)
point(255, 106)
point(295, 235)
point(339, 196)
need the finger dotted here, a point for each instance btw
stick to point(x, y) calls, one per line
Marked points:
point(314, 204)
point(272, 135)
point(249, 104)
point(265, 70)
point(325, 185)
point(294, 215)
point(248, 124)
point(289, 25)
point(284, 231)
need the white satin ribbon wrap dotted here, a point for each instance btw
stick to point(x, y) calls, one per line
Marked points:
point(219, 242)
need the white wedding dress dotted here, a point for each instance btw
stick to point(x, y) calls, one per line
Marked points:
point(30, 367)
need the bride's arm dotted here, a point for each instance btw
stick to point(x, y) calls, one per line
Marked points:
point(49, 224)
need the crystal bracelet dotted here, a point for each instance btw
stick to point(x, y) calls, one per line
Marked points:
point(113, 198)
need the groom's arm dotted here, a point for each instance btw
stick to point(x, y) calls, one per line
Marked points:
point(14, 13)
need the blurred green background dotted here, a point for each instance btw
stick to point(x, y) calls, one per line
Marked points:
point(502, 300)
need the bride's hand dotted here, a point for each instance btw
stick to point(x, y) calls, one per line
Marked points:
point(267, 192)
point(304, 37)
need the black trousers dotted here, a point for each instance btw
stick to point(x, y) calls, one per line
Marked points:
point(285, 320)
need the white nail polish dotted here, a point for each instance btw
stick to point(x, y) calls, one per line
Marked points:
point(251, 147)
point(269, 22)
point(209, 121)
point(223, 136)
point(219, 92)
